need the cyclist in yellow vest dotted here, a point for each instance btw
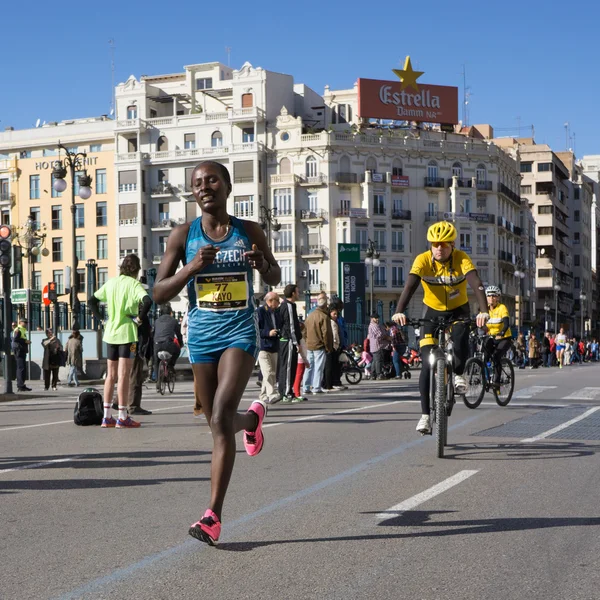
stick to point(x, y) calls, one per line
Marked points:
point(444, 273)
point(20, 348)
point(498, 327)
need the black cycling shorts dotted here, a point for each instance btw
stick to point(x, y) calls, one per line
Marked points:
point(117, 351)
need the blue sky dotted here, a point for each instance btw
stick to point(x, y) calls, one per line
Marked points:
point(530, 62)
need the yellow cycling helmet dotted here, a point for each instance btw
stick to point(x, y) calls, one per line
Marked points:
point(441, 232)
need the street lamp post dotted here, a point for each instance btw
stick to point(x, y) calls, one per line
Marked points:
point(74, 161)
point(546, 309)
point(556, 290)
point(372, 259)
point(582, 299)
point(31, 241)
point(520, 275)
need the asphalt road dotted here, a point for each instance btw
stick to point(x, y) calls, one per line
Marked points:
point(345, 501)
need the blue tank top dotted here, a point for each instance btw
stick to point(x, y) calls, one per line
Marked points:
point(222, 308)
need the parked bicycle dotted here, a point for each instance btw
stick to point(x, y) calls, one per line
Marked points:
point(480, 373)
point(166, 373)
point(441, 389)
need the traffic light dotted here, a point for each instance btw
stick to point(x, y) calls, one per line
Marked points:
point(5, 246)
point(17, 260)
point(52, 295)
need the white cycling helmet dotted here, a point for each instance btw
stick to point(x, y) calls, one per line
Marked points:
point(492, 290)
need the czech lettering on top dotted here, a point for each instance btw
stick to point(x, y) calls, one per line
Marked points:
point(407, 100)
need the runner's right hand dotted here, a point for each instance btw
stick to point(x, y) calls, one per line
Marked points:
point(204, 257)
point(399, 318)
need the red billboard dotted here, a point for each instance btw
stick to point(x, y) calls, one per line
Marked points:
point(380, 99)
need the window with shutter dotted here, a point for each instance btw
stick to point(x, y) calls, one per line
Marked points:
point(127, 181)
point(243, 171)
point(247, 100)
point(127, 214)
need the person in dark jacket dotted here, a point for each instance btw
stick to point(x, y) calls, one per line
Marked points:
point(136, 379)
point(52, 358)
point(288, 344)
point(269, 326)
point(167, 336)
point(20, 348)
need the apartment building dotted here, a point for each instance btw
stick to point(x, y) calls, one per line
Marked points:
point(27, 159)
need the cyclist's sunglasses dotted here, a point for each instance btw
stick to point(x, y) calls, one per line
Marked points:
point(440, 244)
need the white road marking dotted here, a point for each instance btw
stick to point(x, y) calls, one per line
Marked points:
point(413, 502)
point(534, 390)
point(40, 464)
point(586, 393)
point(587, 413)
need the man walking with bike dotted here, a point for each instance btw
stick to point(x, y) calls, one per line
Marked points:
point(167, 337)
point(444, 273)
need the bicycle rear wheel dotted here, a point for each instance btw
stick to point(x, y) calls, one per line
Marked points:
point(474, 374)
point(504, 393)
point(162, 378)
point(441, 416)
point(171, 381)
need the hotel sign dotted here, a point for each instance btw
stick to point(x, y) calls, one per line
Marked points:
point(407, 100)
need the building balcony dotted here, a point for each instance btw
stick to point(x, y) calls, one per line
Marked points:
point(123, 125)
point(482, 250)
point(461, 183)
point(128, 157)
point(128, 222)
point(321, 286)
point(313, 216)
point(313, 252)
point(285, 179)
point(483, 185)
point(244, 147)
point(505, 256)
point(190, 153)
point(433, 182)
point(251, 113)
point(7, 198)
point(397, 248)
point(347, 178)
point(503, 189)
point(165, 224)
point(162, 189)
point(467, 249)
point(283, 248)
point(430, 217)
point(380, 283)
point(397, 283)
point(401, 215)
point(352, 213)
point(127, 187)
point(319, 179)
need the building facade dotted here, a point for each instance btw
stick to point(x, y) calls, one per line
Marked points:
point(27, 159)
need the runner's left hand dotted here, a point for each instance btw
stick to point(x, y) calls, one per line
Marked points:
point(256, 257)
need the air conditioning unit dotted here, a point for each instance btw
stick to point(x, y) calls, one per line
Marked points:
point(166, 222)
point(303, 274)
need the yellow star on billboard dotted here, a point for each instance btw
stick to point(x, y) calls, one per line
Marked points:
point(408, 77)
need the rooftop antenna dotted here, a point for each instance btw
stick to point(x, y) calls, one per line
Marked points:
point(111, 45)
point(574, 145)
point(567, 135)
point(466, 97)
point(37, 123)
point(228, 51)
point(519, 126)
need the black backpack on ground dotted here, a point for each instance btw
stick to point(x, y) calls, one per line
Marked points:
point(89, 408)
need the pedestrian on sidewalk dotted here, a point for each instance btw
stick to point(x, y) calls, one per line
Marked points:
point(332, 375)
point(269, 326)
point(74, 349)
point(534, 351)
point(287, 360)
point(123, 295)
point(379, 342)
point(51, 362)
point(319, 341)
point(303, 363)
point(20, 347)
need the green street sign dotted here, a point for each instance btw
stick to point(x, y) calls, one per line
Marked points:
point(35, 296)
point(347, 253)
point(18, 296)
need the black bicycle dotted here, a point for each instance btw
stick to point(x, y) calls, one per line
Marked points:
point(441, 384)
point(166, 373)
point(480, 371)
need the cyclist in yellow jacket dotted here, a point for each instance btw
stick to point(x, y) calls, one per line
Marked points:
point(444, 273)
point(498, 327)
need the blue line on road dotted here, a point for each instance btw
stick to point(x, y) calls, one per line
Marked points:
point(193, 545)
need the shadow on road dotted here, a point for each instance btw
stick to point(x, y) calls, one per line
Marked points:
point(436, 529)
point(519, 451)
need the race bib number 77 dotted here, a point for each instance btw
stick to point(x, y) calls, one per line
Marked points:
point(222, 292)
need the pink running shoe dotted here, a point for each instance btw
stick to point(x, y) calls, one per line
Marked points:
point(254, 440)
point(110, 422)
point(207, 529)
point(128, 423)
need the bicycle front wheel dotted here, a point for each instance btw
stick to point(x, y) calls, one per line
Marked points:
point(475, 378)
point(503, 393)
point(171, 381)
point(441, 416)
